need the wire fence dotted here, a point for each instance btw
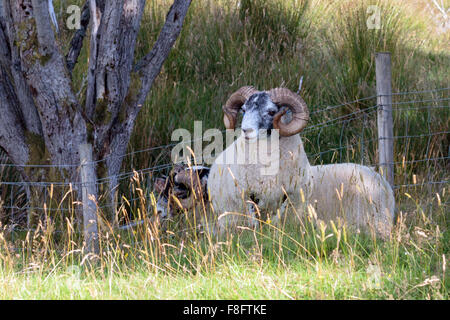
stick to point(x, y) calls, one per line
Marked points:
point(341, 133)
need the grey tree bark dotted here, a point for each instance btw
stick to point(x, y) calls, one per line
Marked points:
point(42, 121)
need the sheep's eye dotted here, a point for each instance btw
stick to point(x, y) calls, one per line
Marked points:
point(272, 113)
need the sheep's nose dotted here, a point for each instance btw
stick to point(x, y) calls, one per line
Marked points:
point(247, 131)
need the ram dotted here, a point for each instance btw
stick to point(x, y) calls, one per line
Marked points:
point(355, 193)
point(240, 189)
point(184, 188)
point(238, 182)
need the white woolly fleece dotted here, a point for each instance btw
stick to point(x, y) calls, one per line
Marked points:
point(230, 185)
point(355, 193)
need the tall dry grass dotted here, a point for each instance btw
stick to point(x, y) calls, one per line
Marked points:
point(410, 264)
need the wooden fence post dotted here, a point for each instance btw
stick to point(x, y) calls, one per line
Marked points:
point(385, 120)
point(89, 196)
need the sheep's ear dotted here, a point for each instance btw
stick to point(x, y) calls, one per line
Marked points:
point(159, 185)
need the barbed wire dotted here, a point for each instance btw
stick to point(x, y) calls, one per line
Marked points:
point(421, 184)
point(38, 165)
point(420, 101)
point(328, 108)
point(417, 92)
point(360, 141)
point(333, 107)
point(418, 108)
point(130, 174)
point(40, 208)
point(331, 122)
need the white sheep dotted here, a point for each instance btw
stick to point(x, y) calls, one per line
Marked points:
point(238, 187)
point(355, 193)
point(239, 183)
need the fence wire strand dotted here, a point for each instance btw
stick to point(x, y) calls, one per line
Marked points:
point(362, 142)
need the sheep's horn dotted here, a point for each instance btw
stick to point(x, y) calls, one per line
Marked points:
point(234, 104)
point(191, 180)
point(300, 112)
point(184, 177)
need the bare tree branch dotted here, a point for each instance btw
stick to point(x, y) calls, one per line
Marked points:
point(5, 50)
point(109, 82)
point(47, 78)
point(141, 82)
point(11, 125)
point(96, 8)
point(45, 35)
point(51, 11)
point(150, 66)
point(41, 120)
point(146, 70)
point(104, 36)
point(12, 63)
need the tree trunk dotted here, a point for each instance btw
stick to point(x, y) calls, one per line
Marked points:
point(42, 121)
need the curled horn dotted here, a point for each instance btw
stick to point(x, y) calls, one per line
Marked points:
point(192, 181)
point(300, 112)
point(234, 104)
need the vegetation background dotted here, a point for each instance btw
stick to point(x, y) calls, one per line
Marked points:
point(226, 44)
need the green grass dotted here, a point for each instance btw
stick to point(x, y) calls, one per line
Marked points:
point(233, 281)
point(247, 277)
point(300, 258)
point(273, 43)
